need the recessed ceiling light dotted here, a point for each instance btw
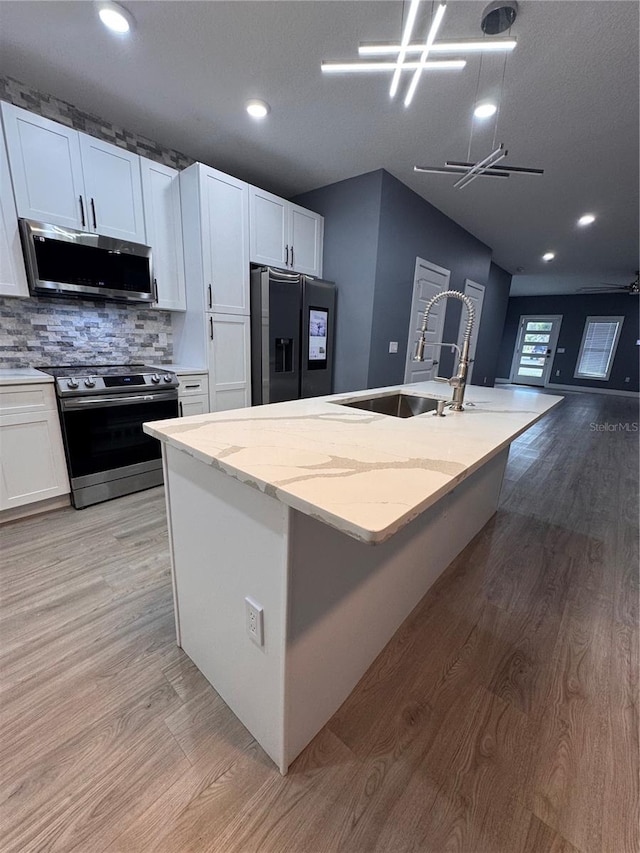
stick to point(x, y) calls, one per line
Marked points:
point(485, 110)
point(257, 108)
point(587, 219)
point(115, 17)
point(548, 256)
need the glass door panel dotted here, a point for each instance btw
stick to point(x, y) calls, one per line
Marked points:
point(535, 348)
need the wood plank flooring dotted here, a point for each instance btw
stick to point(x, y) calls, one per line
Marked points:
point(501, 718)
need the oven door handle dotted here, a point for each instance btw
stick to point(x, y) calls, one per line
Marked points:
point(104, 402)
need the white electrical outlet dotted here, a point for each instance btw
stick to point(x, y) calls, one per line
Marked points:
point(393, 346)
point(627, 379)
point(254, 620)
point(557, 373)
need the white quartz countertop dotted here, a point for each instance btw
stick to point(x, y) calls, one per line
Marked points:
point(181, 370)
point(23, 376)
point(363, 473)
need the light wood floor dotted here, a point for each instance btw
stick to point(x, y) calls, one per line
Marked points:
point(502, 717)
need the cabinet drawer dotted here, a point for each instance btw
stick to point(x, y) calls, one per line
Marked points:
point(195, 405)
point(196, 384)
point(23, 399)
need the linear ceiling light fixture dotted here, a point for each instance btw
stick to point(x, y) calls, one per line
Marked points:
point(460, 46)
point(433, 31)
point(406, 36)
point(330, 66)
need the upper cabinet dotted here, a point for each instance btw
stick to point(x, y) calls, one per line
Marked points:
point(13, 280)
point(161, 195)
point(284, 234)
point(215, 224)
point(64, 177)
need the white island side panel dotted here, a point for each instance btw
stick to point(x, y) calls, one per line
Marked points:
point(347, 598)
point(229, 541)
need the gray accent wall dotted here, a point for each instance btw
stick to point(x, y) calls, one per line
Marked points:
point(574, 309)
point(375, 227)
point(352, 216)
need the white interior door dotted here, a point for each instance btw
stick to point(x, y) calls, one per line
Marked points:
point(429, 279)
point(475, 292)
point(535, 348)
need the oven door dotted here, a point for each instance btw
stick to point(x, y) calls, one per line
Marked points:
point(103, 434)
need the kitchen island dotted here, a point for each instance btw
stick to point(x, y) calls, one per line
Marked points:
point(333, 521)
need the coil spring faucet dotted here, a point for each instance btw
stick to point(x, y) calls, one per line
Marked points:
point(459, 381)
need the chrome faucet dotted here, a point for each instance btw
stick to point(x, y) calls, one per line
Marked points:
point(459, 381)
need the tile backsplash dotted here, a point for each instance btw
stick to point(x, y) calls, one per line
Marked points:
point(40, 332)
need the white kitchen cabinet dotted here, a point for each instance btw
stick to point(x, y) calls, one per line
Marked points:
point(113, 188)
point(64, 177)
point(215, 223)
point(193, 394)
point(229, 361)
point(283, 234)
point(162, 214)
point(13, 279)
point(32, 464)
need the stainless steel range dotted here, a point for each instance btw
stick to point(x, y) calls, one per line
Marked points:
point(102, 409)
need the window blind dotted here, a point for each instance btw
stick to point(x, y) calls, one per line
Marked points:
point(597, 348)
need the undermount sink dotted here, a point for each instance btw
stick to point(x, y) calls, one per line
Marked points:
point(396, 405)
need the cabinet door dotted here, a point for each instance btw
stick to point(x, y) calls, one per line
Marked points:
point(225, 222)
point(196, 405)
point(161, 199)
point(46, 169)
point(13, 280)
point(268, 228)
point(305, 240)
point(32, 464)
point(229, 362)
point(114, 190)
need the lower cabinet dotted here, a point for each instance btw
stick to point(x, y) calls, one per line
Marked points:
point(32, 463)
point(229, 361)
point(193, 394)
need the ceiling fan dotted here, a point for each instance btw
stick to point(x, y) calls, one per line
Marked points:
point(633, 288)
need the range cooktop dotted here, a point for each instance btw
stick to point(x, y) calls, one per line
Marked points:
point(82, 379)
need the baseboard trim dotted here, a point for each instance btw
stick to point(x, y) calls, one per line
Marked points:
point(15, 513)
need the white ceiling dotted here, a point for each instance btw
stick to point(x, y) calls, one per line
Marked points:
point(570, 106)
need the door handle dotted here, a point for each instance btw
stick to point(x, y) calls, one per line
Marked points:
point(211, 327)
point(93, 211)
point(82, 211)
point(210, 298)
point(286, 261)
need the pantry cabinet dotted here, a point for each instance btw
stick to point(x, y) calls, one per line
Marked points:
point(32, 463)
point(229, 361)
point(13, 279)
point(284, 234)
point(162, 214)
point(63, 177)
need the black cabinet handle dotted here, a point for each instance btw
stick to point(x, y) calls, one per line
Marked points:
point(93, 212)
point(155, 290)
point(211, 327)
point(180, 405)
point(82, 211)
point(286, 261)
point(210, 297)
point(292, 257)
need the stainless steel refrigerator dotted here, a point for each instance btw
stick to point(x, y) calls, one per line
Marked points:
point(292, 335)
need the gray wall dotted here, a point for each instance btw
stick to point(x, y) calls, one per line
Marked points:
point(575, 309)
point(375, 228)
point(410, 227)
point(352, 213)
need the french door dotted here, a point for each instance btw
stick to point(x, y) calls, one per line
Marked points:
point(535, 349)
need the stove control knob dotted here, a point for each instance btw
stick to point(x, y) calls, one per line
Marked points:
point(90, 382)
point(168, 377)
point(72, 383)
point(155, 378)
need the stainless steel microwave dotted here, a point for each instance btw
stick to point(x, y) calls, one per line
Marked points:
point(63, 262)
